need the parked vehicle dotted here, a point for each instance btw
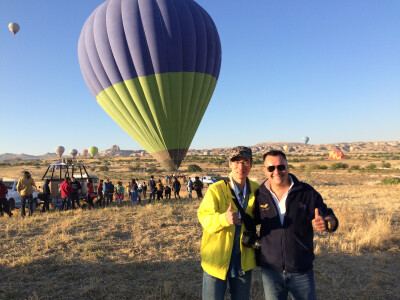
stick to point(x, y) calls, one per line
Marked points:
point(14, 198)
point(207, 180)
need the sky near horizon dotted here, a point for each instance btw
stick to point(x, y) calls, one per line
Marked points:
point(326, 69)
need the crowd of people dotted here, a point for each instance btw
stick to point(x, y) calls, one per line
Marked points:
point(71, 197)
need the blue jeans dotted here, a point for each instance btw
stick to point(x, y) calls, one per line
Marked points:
point(215, 288)
point(66, 203)
point(277, 285)
point(30, 202)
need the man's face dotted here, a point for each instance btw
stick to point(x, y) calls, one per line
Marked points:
point(276, 169)
point(240, 167)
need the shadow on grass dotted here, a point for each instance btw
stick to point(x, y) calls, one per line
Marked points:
point(338, 276)
point(105, 279)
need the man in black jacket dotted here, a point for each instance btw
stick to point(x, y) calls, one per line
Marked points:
point(288, 210)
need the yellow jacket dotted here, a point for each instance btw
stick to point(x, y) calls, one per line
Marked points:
point(218, 234)
point(25, 186)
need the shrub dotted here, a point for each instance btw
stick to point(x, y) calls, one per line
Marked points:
point(371, 167)
point(386, 165)
point(355, 167)
point(319, 167)
point(104, 168)
point(393, 180)
point(339, 165)
point(151, 170)
point(194, 168)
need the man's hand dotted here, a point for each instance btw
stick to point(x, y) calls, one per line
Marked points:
point(232, 216)
point(318, 222)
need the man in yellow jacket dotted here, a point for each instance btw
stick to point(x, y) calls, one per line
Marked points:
point(223, 257)
point(25, 187)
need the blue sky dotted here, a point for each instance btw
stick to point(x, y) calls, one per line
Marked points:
point(326, 69)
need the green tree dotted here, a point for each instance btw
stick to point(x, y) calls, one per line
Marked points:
point(194, 168)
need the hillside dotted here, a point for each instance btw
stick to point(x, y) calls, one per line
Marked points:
point(298, 148)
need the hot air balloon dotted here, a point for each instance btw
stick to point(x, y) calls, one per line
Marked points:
point(285, 148)
point(14, 28)
point(336, 154)
point(84, 152)
point(93, 151)
point(305, 139)
point(73, 152)
point(153, 67)
point(60, 150)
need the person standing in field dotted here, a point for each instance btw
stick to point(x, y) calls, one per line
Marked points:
point(160, 189)
point(25, 187)
point(66, 192)
point(46, 195)
point(119, 193)
point(223, 257)
point(100, 195)
point(176, 187)
point(152, 188)
point(90, 190)
point(4, 207)
point(288, 209)
point(133, 192)
point(144, 190)
point(139, 190)
point(190, 188)
point(198, 187)
point(76, 186)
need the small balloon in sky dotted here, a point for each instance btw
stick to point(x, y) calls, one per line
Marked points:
point(60, 150)
point(93, 151)
point(14, 27)
point(305, 139)
point(73, 152)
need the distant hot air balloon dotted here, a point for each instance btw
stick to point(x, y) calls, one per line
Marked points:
point(153, 67)
point(305, 139)
point(285, 148)
point(336, 154)
point(93, 151)
point(14, 27)
point(84, 152)
point(73, 152)
point(60, 150)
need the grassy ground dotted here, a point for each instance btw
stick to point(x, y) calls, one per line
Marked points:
point(152, 251)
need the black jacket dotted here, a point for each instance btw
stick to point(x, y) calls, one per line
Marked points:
point(289, 247)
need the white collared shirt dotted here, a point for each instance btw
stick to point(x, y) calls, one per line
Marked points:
point(280, 205)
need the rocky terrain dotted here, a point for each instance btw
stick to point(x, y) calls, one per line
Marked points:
point(296, 148)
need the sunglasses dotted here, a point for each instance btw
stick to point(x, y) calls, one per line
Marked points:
point(279, 167)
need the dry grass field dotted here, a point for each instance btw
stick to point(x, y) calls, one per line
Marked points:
point(152, 251)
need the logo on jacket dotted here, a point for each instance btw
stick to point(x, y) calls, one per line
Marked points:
point(264, 206)
point(302, 206)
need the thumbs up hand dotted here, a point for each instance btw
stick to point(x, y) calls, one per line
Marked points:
point(318, 222)
point(232, 217)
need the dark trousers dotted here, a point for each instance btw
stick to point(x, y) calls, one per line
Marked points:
point(159, 195)
point(90, 201)
point(176, 194)
point(4, 207)
point(199, 195)
point(45, 203)
point(30, 202)
point(100, 199)
point(152, 195)
point(75, 197)
point(66, 203)
point(109, 198)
